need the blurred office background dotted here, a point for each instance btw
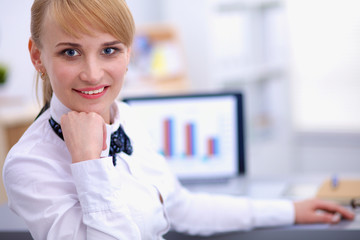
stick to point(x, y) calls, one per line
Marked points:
point(296, 61)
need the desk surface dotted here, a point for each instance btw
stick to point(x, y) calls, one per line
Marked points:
point(275, 235)
point(269, 234)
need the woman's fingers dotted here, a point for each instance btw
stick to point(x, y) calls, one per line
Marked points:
point(319, 211)
point(84, 135)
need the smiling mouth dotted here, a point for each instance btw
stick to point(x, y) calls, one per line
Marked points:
point(100, 90)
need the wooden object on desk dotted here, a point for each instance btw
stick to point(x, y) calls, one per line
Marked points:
point(345, 190)
point(14, 120)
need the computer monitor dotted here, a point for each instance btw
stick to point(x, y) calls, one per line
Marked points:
point(200, 135)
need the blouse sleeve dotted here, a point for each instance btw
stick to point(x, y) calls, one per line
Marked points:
point(206, 214)
point(99, 187)
point(53, 207)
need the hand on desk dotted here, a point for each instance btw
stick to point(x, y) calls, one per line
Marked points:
point(319, 211)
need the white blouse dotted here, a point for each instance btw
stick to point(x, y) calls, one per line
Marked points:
point(139, 198)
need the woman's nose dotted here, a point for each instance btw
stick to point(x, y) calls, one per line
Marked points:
point(92, 71)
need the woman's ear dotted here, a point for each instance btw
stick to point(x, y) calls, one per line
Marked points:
point(35, 54)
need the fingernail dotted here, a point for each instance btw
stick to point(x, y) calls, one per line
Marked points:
point(336, 217)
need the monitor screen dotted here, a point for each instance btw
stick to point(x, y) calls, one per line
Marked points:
point(200, 135)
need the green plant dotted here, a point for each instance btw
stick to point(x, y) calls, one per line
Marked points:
point(3, 74)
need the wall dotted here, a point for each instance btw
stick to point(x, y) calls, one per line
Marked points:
point(14, 36)
point(325, 86)
point(325, 64)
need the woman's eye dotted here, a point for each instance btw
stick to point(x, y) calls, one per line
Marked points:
point(71, 52)
point(109, 51)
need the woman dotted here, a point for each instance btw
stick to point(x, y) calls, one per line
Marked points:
point(85, 169)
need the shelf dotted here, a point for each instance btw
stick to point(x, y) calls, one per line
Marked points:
point(158, 62)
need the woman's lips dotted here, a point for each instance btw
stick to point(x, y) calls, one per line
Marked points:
point(92, 93)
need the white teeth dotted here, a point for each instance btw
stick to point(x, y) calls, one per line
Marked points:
point(93, 92)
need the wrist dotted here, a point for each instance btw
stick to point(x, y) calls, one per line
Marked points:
point(84, 157)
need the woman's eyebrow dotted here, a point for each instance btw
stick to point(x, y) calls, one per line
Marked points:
point(75, 45)
point(111, 43)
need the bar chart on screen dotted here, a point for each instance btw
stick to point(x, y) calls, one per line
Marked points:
point(194, 141)
point(197, 136)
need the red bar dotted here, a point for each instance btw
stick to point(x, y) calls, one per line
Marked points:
point(167, 137)
point(188, 140)
point(210, 147)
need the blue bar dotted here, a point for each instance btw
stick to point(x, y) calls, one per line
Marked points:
point(193, 145)
point(216, 146)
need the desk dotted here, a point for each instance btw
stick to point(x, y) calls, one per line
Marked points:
point(276, 235)
point(326, 232)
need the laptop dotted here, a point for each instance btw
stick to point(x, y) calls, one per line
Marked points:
point(201, 135)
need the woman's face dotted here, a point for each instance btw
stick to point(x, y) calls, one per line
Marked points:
point(86, 73)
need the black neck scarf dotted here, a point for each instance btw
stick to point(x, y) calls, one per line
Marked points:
point(120, 142)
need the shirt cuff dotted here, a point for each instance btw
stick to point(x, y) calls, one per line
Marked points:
point(270, 213)
point(98, 184)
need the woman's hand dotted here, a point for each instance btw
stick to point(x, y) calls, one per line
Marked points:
point(319, 211)
point(84, 135)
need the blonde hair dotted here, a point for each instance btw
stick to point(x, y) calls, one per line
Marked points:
point(74, 17)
